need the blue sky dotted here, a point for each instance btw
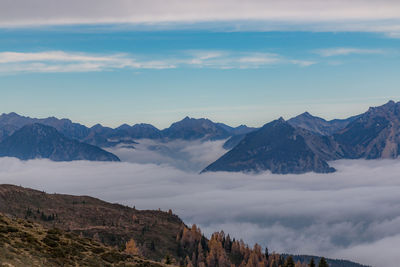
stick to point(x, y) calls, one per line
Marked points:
point(114, 73)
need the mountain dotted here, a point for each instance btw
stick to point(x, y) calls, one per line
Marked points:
point(319, 125)
point(278, 147)
point(137, 131)
point(111, 224)
point(40, 229)
point(24, 243)
point(41, 141)
point(238, 133)
point(331, 262)
point(374, 134)
point(239, 130)
point(64, 126)
point(191, 129)
point(233, 141)
point(98, 135)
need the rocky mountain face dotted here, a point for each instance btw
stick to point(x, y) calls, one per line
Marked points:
point(137, 131)
point(191, 129)
point(278, 147)
point(306, 143)
point(319, 125)
point(375, 134)
point(41, 141)
point(64, 126)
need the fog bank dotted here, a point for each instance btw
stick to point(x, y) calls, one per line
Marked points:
point(353, 213)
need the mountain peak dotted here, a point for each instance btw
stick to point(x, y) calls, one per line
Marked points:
point(41, 141)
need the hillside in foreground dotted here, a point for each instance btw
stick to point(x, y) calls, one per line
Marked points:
point(41, 229)
point(24, 243)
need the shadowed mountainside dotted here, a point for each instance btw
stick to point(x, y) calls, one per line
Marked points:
point(41, 141)
point(278, 147)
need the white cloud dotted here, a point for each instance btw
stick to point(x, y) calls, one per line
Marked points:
point(313, 15)
point(50, 12)
point(353, 213)
point(190, 156)
point(344, 51)
point(61, 61)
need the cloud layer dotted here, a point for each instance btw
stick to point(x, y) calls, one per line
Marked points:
point(61, 61)
point(359, 15)
point(353, 213)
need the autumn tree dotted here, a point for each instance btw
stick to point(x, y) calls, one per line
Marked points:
point(131, 248)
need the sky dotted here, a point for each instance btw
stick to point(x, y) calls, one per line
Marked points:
point(237, 62)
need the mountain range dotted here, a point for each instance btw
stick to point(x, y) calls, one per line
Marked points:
point(306, 143)
point(301, 144)
point(186, 129)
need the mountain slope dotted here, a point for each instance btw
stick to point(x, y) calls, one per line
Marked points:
point(23, 243)
point(278, 147)
point(319, 125)
point(137, 131)
point(112, 224)
point(375, 134)
point(191, 129)
point(65, 126)
point(41, 141)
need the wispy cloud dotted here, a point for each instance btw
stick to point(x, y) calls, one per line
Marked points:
point(356, 15)
point(60, 61)
point(344, 51)
point(240, 60)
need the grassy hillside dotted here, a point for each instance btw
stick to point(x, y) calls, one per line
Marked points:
point(23, 243)
point(112, 224)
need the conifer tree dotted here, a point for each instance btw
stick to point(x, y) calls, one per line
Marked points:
point(312, 263)
point(323, 263)
point(289, 262)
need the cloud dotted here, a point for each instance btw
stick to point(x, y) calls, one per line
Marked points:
point(61, 61)
point(344, 51)
point(190, 156)
point(353, 213)
point(352, 15)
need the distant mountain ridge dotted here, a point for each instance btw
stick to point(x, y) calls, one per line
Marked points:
point(301, 144)
point(186, 129)
point(319, 125)
point(42, 141)
point(305, 143)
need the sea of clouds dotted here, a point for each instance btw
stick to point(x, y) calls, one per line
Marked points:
point(352, 214)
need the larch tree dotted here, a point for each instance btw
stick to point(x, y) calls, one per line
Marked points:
point(131, 248)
